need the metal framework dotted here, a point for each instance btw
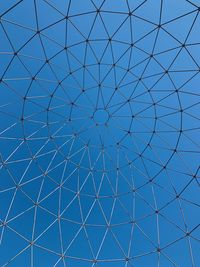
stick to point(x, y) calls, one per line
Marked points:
point(99, 133)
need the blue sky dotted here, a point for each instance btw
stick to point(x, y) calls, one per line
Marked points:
point(99, 134)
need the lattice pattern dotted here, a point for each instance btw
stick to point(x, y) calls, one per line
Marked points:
point(99, 133)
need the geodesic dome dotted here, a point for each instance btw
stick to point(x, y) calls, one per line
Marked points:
point(99, 133)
